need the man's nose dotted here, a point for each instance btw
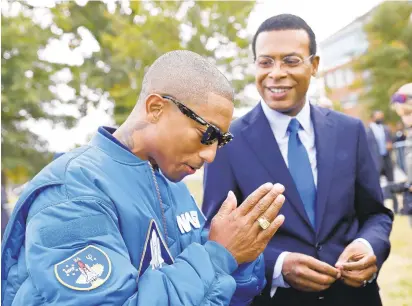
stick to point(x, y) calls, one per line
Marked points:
point(277, 71)
point(208, 152)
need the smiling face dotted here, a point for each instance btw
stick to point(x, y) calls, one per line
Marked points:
point(283, 86)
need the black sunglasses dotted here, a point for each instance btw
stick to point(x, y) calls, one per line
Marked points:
point(212, 132)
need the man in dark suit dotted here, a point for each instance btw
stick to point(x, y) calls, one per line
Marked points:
point(380, 145)
point(336, 232)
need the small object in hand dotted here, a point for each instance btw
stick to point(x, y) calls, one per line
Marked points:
point(365, 282)
point(264, 224)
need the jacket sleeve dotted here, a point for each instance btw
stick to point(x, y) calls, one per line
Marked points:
point(375, 219)
point(200, 275)
point(250, 281)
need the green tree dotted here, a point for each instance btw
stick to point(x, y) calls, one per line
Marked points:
point(132, 36)
point(25, 93)
point(388, 60)
point(129, 35)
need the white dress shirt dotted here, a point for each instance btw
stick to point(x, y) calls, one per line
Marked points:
point(279, 124)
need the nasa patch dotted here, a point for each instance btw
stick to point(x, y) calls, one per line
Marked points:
point(85, 270)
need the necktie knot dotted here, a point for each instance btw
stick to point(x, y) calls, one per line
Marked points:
point(294, 126)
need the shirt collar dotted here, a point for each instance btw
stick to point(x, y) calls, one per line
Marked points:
point(279, 122)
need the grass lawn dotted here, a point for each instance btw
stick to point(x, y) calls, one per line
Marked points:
point(395, 278)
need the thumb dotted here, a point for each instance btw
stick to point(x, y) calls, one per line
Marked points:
point(228, 205)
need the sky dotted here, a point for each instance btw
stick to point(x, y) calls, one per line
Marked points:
point(325, 18)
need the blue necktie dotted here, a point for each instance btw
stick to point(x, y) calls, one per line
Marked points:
point(301, 171)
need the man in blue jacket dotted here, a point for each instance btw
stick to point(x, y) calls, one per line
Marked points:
point(110, 224)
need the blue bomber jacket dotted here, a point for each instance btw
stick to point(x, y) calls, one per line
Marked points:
point(88, 230)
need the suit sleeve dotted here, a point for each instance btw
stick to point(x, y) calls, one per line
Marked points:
point(200, 275)
point(375, 219)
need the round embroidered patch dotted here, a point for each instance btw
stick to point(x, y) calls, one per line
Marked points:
point(85, 270)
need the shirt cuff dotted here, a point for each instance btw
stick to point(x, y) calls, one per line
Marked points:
point(364, 241)
point(277, 280)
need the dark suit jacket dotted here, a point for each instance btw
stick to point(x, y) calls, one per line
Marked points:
point(374, 148)
point(349, 199)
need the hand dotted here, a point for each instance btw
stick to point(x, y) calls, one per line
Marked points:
point(389, 146)
point(357, 264)
point(237, 229)
point(306, 273)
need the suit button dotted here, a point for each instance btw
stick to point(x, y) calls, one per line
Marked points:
point(318, 246)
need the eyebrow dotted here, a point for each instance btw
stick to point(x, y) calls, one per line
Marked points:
point(285, 55)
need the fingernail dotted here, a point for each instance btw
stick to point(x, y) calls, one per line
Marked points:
point(280, 199)
point(268, 185)
point(278, 188)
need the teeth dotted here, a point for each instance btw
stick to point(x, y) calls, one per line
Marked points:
point(278, 90)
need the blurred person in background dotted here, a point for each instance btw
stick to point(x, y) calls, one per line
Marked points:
point(399, 138)
point(401, 102)
point(380, 144)
point(336, 234)
point(110, 223)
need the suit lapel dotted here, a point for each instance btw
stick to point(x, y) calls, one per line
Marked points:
point(325, 141)
point(260, 137)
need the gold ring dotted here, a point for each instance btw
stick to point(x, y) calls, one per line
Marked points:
point(263, 222)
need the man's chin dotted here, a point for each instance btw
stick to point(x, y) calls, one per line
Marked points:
point(281, 106)
point(175, 178)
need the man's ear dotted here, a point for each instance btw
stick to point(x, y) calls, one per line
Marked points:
point(154, 107)
point(315, 65)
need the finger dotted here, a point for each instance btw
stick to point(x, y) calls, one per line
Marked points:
point(323, 267)
point(271, 213)
point(318, 278)
point(273, 210)
point(360, 276)
point(362, 264)
point(264, 203)
point(268, 233)
point(228, 205)
point(344, 257)
point(305, 279)
point(253, 198)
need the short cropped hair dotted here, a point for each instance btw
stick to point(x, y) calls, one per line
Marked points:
point(285, 22)
point(186, 76)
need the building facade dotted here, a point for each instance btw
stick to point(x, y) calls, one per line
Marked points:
point(338, 53)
